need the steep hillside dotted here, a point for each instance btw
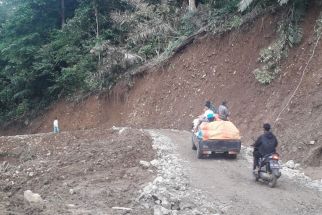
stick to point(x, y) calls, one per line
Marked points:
point(216, 68)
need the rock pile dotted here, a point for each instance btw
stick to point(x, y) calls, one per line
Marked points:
point(170, 192)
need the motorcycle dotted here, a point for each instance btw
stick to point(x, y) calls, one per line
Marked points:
point(269, 170)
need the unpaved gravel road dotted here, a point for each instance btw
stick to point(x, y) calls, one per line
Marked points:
point(100, 172)
point(230, 184)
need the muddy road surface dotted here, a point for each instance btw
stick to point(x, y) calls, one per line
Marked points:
point(231, 186)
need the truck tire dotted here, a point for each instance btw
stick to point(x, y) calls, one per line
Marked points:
point(193, 143)
point(199, 152)
point(194, 146)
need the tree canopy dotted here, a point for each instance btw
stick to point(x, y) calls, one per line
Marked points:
point(54, 48)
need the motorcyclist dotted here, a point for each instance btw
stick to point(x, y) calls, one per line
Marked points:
point(264, 145)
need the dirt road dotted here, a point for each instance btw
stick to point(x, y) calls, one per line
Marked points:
point(229, 183)
point(101, 171)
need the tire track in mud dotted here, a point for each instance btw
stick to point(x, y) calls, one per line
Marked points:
point(227, 186)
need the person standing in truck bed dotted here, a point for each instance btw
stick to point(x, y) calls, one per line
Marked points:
point(223, 111)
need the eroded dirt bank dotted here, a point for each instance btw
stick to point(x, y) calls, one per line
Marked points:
point(81, 172)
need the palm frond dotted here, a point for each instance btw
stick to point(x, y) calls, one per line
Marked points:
point(281, 2)
point(122, 18)
point(146, 31)
point(244, 4)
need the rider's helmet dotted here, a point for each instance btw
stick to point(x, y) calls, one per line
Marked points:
point(267, 126)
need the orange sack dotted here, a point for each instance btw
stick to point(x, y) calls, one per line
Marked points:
point(219, 130)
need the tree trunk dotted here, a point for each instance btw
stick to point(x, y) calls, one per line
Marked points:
point(97, 27)
point(96, 18)
point(164, 2)
point(192, 6)
point(62, 6)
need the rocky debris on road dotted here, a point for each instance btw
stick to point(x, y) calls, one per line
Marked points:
point(145, 164)
point(32, 197)
point(72, 191)
point(170, 193)
point(122, 208)
point(154, 163)
point(312, 142)
point(71, 205)
point(290, 164)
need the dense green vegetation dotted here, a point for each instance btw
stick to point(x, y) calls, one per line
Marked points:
point(55, 48)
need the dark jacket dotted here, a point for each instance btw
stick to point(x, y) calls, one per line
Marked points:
point(266, 144)
point(223, 112)
point(213, 108)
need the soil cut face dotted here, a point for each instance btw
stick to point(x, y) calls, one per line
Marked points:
point(81, 172)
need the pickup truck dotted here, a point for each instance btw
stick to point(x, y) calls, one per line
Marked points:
point(229, 147)
point(217, 137)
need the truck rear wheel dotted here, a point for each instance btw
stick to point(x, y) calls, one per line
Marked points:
point(193, 143)
point(194, 146)
point(199, 152)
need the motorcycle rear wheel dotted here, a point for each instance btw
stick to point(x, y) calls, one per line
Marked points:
point(273, 182)
point(256, 176)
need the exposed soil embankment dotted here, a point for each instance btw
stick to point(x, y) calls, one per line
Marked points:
point(216, 68)
point(96, 171)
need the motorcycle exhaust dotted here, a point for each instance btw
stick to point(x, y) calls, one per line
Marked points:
point(265, 176)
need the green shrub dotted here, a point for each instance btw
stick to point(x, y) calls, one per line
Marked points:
point(289, 35)
point(173, 44)
point(149, 50)
point(264, 75)
point(227, 6)
point(22, 108)
point(187, 24)
point(235, 22)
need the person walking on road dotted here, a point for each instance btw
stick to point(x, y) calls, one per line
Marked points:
point(56, 128)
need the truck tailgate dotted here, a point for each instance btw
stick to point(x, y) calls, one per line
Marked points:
point(221, 146)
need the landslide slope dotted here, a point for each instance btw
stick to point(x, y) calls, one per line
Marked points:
point(216, 68)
